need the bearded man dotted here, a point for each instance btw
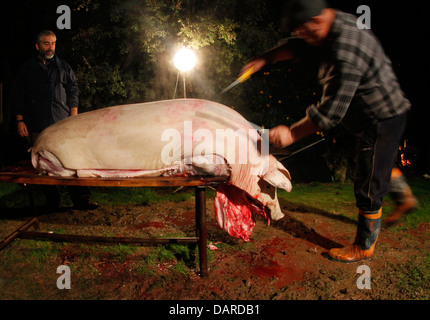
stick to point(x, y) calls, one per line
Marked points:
point(45, 91)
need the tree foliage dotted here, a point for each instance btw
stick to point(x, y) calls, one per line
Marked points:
point(122, 50)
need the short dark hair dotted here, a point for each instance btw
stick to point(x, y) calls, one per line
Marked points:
point(44, 33)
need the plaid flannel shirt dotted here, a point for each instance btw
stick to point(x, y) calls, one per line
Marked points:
point(359, 84)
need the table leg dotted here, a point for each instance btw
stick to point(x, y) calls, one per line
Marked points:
point(201, 229)
point(16, 233)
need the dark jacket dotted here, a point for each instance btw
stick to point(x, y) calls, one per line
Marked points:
point(44, 94)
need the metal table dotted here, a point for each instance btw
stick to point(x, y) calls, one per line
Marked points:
point(24, 173)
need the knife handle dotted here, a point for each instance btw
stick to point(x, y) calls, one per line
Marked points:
point(246, 75)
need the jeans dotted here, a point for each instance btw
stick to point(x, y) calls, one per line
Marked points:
point(377, 147)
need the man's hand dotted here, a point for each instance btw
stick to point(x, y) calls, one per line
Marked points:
point(280, 136)
point(256, 64)
point(22, 129)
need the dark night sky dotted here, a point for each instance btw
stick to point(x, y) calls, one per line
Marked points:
point(402, 28)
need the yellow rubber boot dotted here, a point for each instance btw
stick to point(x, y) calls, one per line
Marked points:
point(369, 224)
point(402, 196)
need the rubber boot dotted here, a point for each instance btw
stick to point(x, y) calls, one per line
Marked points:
point(402, 196)
point(369, 224)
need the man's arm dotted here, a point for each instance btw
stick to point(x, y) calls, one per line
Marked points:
point(340, 87)
point(21, 126)
point(279, 53)
point(282, 136)
point(72, 91)
point(18, 103)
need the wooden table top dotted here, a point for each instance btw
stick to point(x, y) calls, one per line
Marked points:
point(23, 172)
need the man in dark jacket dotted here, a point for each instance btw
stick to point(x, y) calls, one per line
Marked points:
point(46, 91)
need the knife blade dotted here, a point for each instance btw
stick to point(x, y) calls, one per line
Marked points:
point(245, 76)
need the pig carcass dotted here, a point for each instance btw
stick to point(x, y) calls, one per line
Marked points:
point(174, 137)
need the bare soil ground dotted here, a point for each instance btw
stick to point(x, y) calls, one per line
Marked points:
point(285, 260)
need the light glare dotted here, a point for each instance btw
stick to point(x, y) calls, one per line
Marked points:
point(184, 59)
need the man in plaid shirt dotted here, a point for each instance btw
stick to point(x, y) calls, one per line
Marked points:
point(360, 91)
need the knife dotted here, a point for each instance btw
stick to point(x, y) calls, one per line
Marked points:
point(245, 76)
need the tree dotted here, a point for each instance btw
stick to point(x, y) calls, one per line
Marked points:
point(123, 50)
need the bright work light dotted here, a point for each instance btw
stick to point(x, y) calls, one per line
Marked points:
point(184, 59)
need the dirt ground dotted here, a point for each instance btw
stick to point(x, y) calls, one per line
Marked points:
point(285, 260)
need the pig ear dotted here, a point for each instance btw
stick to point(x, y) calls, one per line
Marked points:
point(280, 177)
point(284, 170)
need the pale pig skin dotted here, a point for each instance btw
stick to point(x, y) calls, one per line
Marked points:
point(126, 141)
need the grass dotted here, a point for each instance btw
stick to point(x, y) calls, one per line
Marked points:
point(413, 281)
point(42, 251)
point(338, 198)
point(136, 196)
point(120, 252)
point(332, 197)
point(41, 258)
point(420, 188)
point(14, 195)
